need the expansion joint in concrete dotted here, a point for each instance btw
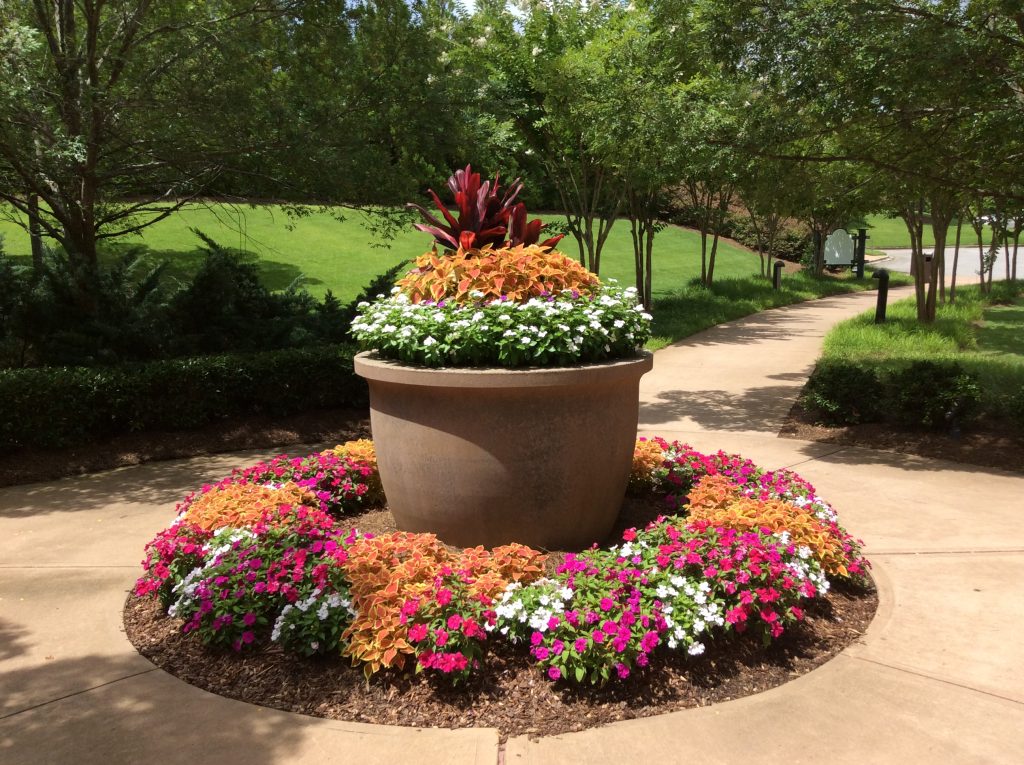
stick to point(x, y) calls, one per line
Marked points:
point(17, 712)
point(944, 681)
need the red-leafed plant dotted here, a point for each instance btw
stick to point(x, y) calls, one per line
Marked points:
point(486, 217)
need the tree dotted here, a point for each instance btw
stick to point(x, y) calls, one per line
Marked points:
point(116, 114)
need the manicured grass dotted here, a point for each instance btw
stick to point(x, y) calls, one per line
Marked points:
point(891, 233)
point(984, 338)
point(344, 256)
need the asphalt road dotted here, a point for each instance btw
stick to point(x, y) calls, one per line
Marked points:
point(967, 264)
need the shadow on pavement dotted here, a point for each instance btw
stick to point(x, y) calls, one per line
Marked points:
point(760, 409)
point(154, 483)
point(141, 718)
point(12, 640)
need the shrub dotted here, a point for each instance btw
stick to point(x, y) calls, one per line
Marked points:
point(933, 394)
point(844, 393)
point(62, 406)
point(513, 273)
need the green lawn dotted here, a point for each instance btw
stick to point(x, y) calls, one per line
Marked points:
point(891, 233)
point(985, 339)
point(345, 256)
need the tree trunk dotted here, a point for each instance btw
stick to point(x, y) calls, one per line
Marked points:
point(711, 260)
point(35, 235)
point(956, 258)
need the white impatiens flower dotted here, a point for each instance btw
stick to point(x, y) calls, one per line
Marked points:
point(429, 341)
point(695, 649)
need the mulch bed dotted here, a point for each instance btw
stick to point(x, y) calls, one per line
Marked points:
point(987, 443)
point(510, 694)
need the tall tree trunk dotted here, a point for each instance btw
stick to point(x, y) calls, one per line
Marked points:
point(956, 257)
point(35, 235)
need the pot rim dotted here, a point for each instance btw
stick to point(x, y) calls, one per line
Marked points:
point(370, 366)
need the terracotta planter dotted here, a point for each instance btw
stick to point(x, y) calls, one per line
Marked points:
point(492, 456)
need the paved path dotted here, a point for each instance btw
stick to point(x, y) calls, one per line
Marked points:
point(939, 677)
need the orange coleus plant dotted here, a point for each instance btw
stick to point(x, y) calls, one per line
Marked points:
point(648, 456)
point(513, 273)
point(720, 502)
point(244, 504)
point(388, 572)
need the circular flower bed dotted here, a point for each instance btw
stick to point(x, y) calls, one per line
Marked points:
point(269, 560)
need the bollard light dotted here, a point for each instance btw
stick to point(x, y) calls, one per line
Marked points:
point(883, 294)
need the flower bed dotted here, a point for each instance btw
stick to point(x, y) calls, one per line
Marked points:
point(269, 556)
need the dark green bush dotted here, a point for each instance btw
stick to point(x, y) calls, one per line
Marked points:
point(63, 406)
point(933, 394)
point(132, 312)
point(844, 393)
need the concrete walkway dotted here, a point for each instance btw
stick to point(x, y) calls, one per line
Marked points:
point(938, 678)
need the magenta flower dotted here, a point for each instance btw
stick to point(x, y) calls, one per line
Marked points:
point(554, 673)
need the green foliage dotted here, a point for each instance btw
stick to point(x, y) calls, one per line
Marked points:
point(969, 363)
point(63, 406)
point(844, 394)
point(929, 394)
point(933, 394)
point(76, 315)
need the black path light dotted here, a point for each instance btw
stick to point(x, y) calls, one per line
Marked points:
point(883, 294)
point(777, 274)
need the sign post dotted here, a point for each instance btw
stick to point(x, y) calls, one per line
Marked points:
point(862, 248)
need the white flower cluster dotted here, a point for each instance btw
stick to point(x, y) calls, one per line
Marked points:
point(325, 608)
point(688, 611)
point(562, 329)
point(223, 540)
point(822, 510)
point(551, 598)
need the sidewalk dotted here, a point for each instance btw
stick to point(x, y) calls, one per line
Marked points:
point(939, 677)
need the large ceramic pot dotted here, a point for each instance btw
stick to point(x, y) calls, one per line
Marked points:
point(492, 456)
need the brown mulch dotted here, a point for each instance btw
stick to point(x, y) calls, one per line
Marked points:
point(510, 693)
point(988, 443)
point(332, 425)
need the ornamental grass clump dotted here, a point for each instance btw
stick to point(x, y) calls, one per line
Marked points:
point(485, 300)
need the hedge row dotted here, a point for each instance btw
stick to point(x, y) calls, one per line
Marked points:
point(62, 406)
point(932, 394)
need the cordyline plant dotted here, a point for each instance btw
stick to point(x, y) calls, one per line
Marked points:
point(485, 216)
